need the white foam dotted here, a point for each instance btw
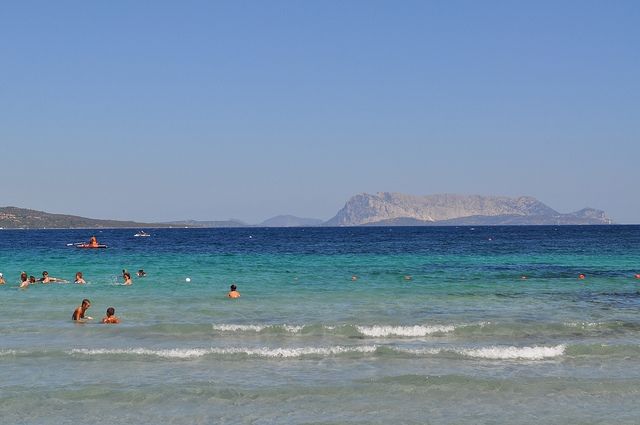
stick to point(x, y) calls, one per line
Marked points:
point(506, 353)
point(496, 352)
point(255, 328)
point(410, 331)
point(235, 328)
point(181, 353)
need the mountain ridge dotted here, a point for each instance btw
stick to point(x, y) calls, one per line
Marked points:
point(397, 209)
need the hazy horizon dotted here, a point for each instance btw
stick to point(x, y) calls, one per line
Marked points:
point(162, 111)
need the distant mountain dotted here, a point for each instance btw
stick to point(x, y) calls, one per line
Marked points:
point(195, 223)
point(396, 209)
point(290, 221)
point(21, 218)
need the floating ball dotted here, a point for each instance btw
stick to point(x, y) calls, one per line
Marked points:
point(188, 279)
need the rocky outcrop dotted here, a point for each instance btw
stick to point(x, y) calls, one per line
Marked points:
point(386, 208)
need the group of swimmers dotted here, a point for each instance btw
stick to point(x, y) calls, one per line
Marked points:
point(26, 280)
point(111, 318)
point(79, 314)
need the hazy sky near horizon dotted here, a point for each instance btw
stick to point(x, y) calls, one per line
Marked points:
point(157, 110)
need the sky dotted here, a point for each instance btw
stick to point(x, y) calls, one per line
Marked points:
point(210, 110)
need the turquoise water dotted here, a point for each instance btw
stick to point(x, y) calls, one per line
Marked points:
point(438, 328)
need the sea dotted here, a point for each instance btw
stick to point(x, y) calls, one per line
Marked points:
point(364, 325)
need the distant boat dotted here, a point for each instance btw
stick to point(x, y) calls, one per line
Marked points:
point(142, 233)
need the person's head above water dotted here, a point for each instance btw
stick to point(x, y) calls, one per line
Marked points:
point(234, 287)
point(111, 311)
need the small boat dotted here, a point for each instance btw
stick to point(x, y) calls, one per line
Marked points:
point(142, 233)
point(88, 246)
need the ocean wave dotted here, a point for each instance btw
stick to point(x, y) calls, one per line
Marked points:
point(489, 353)
point(375, 331)
point(497, 352)
point(408, 331)
point(265, 352)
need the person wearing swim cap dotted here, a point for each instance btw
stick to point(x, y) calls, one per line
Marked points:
point(2, 281)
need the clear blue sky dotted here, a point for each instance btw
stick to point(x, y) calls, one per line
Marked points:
point(210, 110)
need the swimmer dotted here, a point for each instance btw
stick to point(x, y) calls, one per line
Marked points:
point(110, 317)
point(581, 276)
point(127, 278)
point(2, 282)
point(354, 278)
point(141, 273)
point(234, 292)
point(637, 275)
point(79, 279)
point(48, 279)
point(407, 277)
point(78, 313)
point(24, 280)
point(32, 280)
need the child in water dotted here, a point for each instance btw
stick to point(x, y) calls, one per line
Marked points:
point(110, 318)
point(127, 278)
point(234, 292)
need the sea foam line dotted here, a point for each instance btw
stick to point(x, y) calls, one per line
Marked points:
point(377, 331)
point(190, 353)
point(498, 352)
point(409, 331)
point(255, 328)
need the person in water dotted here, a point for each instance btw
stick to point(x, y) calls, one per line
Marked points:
point(24, 280)
point(48, 279)
point(79, 278)
point(32, 280)
point(127, 277)
point(2, 281)
point(78, 313)
point(234, 292)
point(110, 317)
point(141, 273)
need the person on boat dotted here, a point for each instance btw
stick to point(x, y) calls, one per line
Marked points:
point(234, 292)
point(127, 277)
point(93, 242)
point(78, 313)
point(24, 280)
point(79, 278)
point(2, 281)
point(111, 316)
point(48, 279)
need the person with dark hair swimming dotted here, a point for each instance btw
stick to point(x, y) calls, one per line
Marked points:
point(110, 318)
point(48, 279)
point(78, 313)
point(234, 292)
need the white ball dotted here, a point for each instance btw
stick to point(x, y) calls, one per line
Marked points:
point(188, 279)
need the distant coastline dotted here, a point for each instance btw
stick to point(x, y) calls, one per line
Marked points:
point(381, 209)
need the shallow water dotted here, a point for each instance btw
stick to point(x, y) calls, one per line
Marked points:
point(438, 327)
